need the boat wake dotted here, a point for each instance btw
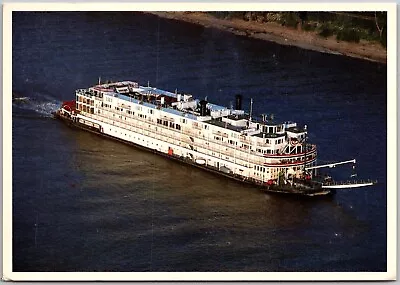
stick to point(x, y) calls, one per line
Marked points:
point(36, 106)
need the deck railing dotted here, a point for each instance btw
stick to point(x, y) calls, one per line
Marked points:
point(239, 155)
point(350, 182)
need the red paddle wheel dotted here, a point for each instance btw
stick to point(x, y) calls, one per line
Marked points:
point(69, 105)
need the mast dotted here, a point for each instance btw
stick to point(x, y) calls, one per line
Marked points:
point(305, 147)
point(251, 109)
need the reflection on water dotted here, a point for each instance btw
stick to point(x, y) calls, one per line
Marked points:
point(176, 209)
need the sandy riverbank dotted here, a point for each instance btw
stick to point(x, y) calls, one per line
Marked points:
point(274, 32)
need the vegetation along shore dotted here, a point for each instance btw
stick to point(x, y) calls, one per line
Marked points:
point(355, 34)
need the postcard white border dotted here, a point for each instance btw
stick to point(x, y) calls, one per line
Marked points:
point(201, 276)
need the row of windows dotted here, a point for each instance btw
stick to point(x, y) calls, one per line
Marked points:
point(85, 108)
point(271, 130)
point(268, 151)
point(184, 121)
point(267, 141)
point(127, 111)
point(232, 142)
point(84, 100)
point(150, 111)
point(259, 168)
point(170, 124)
point(196, 125)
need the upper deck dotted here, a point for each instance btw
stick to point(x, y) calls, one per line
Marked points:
point(184, 105)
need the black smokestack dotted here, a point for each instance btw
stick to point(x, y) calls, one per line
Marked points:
point(203, 108)
point(238, 105)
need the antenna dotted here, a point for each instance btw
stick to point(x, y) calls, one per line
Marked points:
point(263, 117)
point(251, 108)
point(148, 83)
point(305, 147)
point(99, 80)
point(354, 174)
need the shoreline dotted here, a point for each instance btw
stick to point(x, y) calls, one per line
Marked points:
point(276, 33)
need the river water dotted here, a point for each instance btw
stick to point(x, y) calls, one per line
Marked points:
point(85, 203)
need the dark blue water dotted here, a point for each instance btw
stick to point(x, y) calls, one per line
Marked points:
point(84, 203)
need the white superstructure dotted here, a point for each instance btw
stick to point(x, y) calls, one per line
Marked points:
point(224, 139)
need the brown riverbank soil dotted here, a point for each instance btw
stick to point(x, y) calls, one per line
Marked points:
point(271, 31)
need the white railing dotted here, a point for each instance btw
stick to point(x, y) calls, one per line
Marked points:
point(236, 153)
point(163, 132)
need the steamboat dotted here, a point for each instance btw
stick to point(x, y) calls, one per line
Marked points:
point(272, 156)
